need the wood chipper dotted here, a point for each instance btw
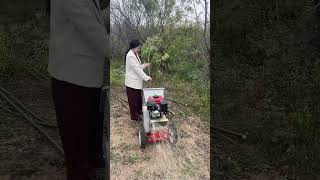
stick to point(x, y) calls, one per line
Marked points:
point(156, 125)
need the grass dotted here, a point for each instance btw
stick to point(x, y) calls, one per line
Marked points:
point(139, 174)
point(125, 147)
point(123, 153)
point(147, 158)
point(23, 168)
point(189, 169)
point(131, 159)
point(24, 47)
point(114, 156)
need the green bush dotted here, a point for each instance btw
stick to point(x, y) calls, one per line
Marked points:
point(24, 48)
point(117, 76)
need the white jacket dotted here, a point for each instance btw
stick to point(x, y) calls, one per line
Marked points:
point(134, 76)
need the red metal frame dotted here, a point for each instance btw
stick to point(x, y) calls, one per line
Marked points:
point(157, 99)
point(158, 136)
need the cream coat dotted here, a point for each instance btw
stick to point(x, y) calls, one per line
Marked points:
point(78, 42)
point(134, 76)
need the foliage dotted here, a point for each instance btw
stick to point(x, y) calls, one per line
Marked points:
point(153, 52)
point(116, 76)
point(24, 47)
point(266, 80)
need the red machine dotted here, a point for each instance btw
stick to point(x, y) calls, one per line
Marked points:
point(156, 126)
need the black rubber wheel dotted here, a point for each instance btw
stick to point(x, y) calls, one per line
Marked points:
point(173, 134)
point(142, 138)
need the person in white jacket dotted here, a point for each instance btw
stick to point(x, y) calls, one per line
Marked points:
point(134, 78)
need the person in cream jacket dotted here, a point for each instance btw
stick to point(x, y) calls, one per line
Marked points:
point(78, 45)
point(134, 78)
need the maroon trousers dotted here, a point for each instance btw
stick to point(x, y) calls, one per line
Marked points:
point(135, 102)
point(80, 128)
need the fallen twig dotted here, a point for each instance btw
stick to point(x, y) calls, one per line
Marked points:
point(120, 100)
point(225, 137)
point(119, 97)
point(42, 121)
point(243, 136)
point(171, 112)
point(8, 110)
point(57, 146)
point(183, 104)
point(34, 74)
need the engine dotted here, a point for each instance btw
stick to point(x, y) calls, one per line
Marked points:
point(157, 106)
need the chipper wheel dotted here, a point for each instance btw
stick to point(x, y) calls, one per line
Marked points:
point(142, 138)
point(173, 134)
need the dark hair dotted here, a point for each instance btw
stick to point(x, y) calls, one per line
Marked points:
point(133, 44)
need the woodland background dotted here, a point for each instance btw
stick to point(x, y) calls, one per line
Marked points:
point(266, 75)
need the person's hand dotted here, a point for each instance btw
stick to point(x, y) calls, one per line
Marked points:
point(147, 64)
point(149, 78)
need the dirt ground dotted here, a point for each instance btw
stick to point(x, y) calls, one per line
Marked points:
point(189, 159)
point(26, 154)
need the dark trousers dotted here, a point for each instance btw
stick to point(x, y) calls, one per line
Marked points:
point(135, 102)
point(80, 128)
